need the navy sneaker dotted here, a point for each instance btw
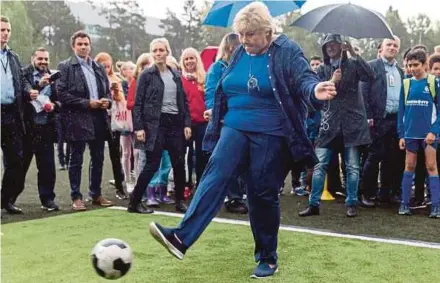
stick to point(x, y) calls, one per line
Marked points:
point(404, 210)
point(168, 239)
point(263, 270)
point(435, 212)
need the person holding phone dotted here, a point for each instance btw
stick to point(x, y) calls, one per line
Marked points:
point(84, 92)
point(113, 140)
point(40, 126)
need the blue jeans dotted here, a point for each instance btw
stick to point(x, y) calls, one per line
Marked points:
point(352, 163)
point(96, 148)
point(263, 158)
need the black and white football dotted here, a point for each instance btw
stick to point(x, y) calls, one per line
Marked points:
point(112, 258)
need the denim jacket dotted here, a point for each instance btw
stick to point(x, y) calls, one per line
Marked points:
point(293, 83)
point(212, 78)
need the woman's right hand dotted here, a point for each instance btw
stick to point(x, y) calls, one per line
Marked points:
point(140, 135)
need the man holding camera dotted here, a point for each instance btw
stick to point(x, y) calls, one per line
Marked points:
point(85, 95)
point(39, 118)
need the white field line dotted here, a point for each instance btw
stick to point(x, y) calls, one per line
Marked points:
point(410, 243)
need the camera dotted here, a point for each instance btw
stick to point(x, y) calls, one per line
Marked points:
point(54, 76)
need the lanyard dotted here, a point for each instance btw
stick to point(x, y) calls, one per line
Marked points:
point(5, 66)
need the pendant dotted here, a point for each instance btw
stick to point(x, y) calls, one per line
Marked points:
point(252, 84)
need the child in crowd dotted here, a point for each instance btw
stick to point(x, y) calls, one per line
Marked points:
point(419, 126)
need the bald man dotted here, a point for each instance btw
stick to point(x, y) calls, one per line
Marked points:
point(382, 102)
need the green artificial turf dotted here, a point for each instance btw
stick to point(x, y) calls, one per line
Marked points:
point(57, 249)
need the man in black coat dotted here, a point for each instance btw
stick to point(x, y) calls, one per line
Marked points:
point(382, 102)
point(14, 90)
point(344, 117)
point(40, 127)
point(84, 93)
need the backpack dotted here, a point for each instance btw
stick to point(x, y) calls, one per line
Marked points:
point(431, 85)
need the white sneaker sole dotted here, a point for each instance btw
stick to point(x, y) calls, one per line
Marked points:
point(155, 232)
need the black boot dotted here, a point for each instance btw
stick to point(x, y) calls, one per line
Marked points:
point(138, 207)
point(309, 211)
point(181, 207)
point(12, 209)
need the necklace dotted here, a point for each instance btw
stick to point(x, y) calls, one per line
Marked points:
point(252, 83)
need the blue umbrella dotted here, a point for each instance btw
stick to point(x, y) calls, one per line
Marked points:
point(222, 12)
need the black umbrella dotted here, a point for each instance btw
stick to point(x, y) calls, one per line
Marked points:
point(345, 19)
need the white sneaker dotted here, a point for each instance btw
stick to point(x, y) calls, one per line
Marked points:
point(130, 187)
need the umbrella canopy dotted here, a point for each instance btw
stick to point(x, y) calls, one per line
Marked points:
point(208, 56)
point(222, 12)
point(345, 19)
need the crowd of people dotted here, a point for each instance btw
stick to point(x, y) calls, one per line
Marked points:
point(243, 120)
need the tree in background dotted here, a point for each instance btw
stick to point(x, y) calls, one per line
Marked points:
point(125, 36)
point(308, 41)
point(22, 30)
point(211, 36)
point(185, 31)
point(192, 22)
point(54, 24)
point(175, 33)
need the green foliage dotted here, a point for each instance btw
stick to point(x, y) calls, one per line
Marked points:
point(54, 24)
point(309, 42)
point(125, 36)
point(186, 31)
point(175, 32)
point(21, 30)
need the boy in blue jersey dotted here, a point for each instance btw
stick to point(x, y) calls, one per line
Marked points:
point(419, 126)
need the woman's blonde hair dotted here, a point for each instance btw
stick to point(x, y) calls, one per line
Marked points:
point(172, 62)
point(162, 40)
point(143, 59)
point(112, 77)
point(103, 56)
point(200, 70)
point(227, 46)
point(126, 65)
point(253, 17)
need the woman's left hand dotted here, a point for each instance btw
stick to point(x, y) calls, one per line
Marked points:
point(187, 132)
point(325, 91)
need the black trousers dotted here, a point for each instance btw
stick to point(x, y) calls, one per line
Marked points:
point(384, 149)
point(39, 141)
point(198, 132)
point(12, 148)
point(63, 157)
point(114, 146)
point(170, 137)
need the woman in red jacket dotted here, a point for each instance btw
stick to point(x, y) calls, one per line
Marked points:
point(193, 80)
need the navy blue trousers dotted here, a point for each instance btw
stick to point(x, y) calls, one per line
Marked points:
point(262, 157)
point(39, 141)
